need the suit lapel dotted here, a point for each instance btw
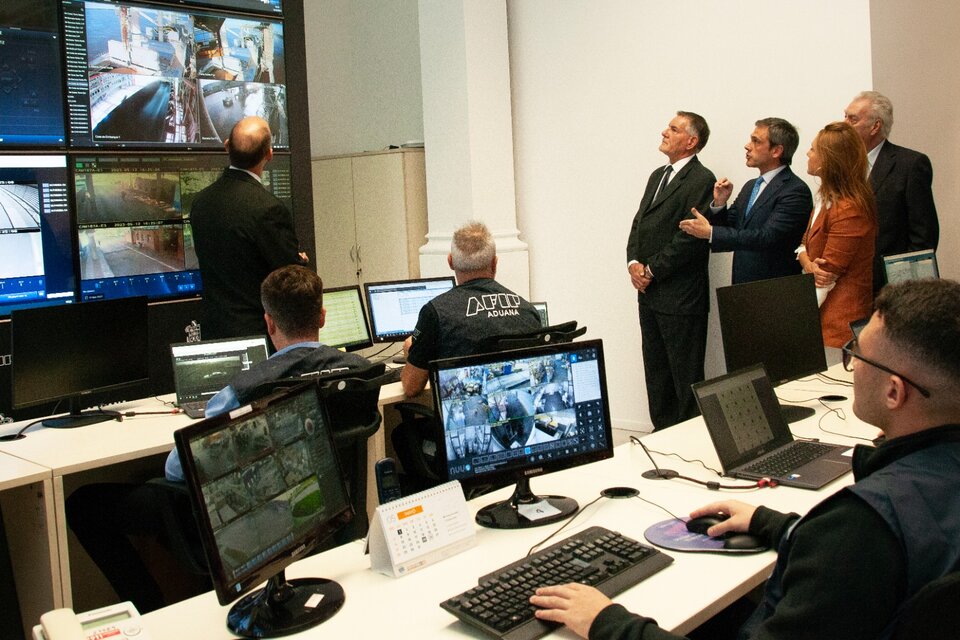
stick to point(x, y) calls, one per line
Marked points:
point(886, 161)
point(672, 186)
point(758, 211)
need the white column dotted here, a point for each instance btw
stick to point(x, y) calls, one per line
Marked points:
point(468, 132)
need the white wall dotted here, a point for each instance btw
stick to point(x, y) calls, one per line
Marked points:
point(594, 83)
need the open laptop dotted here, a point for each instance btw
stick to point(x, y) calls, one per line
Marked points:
point(201, 369)
point(913, 265)
point(752, 438)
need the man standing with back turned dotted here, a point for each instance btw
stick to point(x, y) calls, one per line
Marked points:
point(766, 222)
point(241, 233)
point(668, 268)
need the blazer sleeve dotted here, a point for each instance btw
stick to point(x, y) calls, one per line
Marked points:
point(633, 249)
point(683, 249)
point(924, 229)
point(848, 228)
point(783, 227)
point(276, 238)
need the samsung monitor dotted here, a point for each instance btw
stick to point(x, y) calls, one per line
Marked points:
point(142, 76)
point(36, 244)
point(911, 266)
point(345, 324)
point(775, 322)
point(509, 416)
point(31, 79)
point(68, 352)
point(541, 308)
point(395, 306)
point(267, 489)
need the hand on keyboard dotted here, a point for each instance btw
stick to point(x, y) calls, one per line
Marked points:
point(575, 605)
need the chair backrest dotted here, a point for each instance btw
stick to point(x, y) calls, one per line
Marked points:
point(564, 332)
point(932, 613)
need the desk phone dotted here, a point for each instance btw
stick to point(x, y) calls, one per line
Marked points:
point(116, 622)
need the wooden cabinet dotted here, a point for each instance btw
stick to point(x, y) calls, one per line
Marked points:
point(370, 216)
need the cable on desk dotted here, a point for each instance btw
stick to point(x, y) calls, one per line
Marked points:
point(828, 379)
point(19, 434)
point(843, 416)
point(563, 526)
point(713, 485)
point(635, 440)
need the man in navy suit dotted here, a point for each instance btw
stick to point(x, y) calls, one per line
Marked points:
point(668, 269)
point(902, 181)
point(766, 222)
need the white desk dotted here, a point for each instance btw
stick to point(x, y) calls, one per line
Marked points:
point(692, 589)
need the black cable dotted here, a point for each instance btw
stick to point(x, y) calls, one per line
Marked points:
point(842, 383)
point(635, 440)
point(840, 414)
point(713, 485)
point(563, 526)
point(19, 434)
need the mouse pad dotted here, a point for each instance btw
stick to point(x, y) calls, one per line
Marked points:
point(672, 534)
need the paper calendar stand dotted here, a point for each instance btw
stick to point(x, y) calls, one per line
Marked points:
point(418, 530)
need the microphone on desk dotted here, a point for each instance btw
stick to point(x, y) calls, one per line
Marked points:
point(656, 473)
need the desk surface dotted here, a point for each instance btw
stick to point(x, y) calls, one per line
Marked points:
point(15, 472)
point(408, 607)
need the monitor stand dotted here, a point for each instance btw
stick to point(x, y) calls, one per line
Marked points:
point(284, 607)
point(796, 413)
point(79, 418)
point(506, 515)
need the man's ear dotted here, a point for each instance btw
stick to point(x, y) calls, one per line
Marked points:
point(895, 392)
point(271, 325)
point(493, 266)
point(777, 151)
point(323, 316)
point(450, 261)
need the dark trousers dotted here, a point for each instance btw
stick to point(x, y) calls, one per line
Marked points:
point(674, 347)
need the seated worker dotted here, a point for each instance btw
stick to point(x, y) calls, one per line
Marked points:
point(455, 323)
point(844, 569)
point(103, 515)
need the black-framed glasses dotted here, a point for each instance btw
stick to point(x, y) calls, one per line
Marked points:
point(849, 354)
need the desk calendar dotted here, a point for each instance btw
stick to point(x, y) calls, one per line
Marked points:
point(418, 530)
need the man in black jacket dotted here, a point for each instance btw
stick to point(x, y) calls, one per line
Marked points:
point(844, 569)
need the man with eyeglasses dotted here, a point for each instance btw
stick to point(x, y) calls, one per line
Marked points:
point(845, 568)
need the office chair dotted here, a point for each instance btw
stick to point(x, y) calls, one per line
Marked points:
point(414, 440)
point(932, 612)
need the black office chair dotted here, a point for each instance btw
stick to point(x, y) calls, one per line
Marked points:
point(415, 441)
point(932, 613)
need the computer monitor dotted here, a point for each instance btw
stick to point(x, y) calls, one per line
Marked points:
point(267, 489)
point(36, 244)
point(508, 416)
point(395, 306)
point(345, 325)
point(70, 351)
point(775, 322)
point(911, 266)
point(541, 308)
point(202, 369)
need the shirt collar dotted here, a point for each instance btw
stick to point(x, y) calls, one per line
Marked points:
point(867, 459)
point(773, 173)
point(873, 153)
point(249, 173)
point(680, 164)
point(298, 345)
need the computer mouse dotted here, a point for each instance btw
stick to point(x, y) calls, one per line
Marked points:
point(701, 524)
point(742, 542)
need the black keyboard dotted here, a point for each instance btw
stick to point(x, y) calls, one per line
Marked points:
point(500, 604)
point(789, 458)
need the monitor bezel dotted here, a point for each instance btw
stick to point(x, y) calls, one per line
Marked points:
point(363, 313)
point(374, 334)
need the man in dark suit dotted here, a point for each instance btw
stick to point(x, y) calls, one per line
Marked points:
point(902, 181)
point(241, 233)
point(765, 224)
point(668, 268)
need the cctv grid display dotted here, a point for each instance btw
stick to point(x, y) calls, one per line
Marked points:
point(85, 227)
point(523, 412)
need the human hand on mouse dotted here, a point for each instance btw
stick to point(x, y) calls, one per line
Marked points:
point(739, 521)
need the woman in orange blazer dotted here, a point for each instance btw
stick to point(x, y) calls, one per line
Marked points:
point(839, 242)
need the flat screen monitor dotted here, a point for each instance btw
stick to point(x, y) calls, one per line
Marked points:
point(506, 417)
point(145, 76)
point(133, 221)
point(345, 325)
point(267, 489)
point(36, 244)
point(911, 266)
point(541, 308)
point(70, 351)
point(251, 6)
point(775, 322)
point(395, 306)
point(202, 369)
point(31, 79)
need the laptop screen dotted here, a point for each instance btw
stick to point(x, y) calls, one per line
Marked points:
point(201, 369)
point(911, 266)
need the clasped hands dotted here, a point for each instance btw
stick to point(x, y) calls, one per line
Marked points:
point(638, 278)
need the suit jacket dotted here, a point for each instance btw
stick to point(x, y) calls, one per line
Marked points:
point(906, 214)
point(845, 237)
point(764, 244)
point(241, 233)
point(681, 283)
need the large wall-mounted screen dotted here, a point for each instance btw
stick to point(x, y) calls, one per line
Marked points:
point(31, 82)
point(141, 76)
point(254, 6)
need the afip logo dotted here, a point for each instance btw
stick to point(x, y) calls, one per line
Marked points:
point(494, 305)
point(5, 360)
point(192, 331)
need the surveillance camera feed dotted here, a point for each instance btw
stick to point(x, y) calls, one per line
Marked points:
point(146, 76)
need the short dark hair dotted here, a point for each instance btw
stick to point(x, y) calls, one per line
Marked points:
point(248, 145)
point(293, 296)
point(698, 127)
point(780, 132)
point(923, 317)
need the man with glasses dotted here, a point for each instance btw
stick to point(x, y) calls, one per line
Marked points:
point(845, 568)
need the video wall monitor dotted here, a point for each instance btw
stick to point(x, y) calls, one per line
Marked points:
point(31, 78)
point(911, 266)
point(250, 6)
point(395, 306)
point(775, 322)
point(144, 76)
point(508, 416)
point(267, 489)
point(36, 240)
point(133, 221)
point(71, 351)
point(346, 325)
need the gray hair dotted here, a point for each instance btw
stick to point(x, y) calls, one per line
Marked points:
point(473, 247)
point(696, 127)
point(880, 108)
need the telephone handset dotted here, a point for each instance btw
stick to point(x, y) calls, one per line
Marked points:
point(118, 622)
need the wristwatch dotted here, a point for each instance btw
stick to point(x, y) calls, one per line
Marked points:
point(646, 272)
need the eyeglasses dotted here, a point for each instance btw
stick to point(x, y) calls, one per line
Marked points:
point(849, 354)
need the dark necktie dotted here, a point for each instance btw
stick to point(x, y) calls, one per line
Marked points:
point(663, 182)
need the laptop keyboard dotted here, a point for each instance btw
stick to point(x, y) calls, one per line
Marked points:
point(789, 458)
point(500, 603)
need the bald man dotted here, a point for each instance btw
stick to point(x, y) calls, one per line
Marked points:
point(241, 233)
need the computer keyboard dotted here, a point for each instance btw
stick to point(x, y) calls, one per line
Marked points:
point(392, 374)
point(500, 604)
point(789, 458)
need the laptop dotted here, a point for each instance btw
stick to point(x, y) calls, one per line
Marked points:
point(201, 369)
point(913, 265)
point(752, 438)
